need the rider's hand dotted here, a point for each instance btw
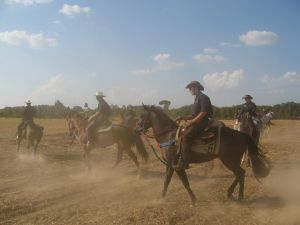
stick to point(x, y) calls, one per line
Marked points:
point(178, 119)
point(189, 123)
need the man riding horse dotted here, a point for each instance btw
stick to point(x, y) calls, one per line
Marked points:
point(250, 107)
point(98, 119)
point(27, 117)
point(195, 124)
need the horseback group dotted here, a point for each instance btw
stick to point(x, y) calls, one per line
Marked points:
point(199, 139)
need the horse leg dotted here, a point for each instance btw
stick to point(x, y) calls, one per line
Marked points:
point(133, 157)
point(19, 143)
point(183, 177)
point(87, 157)
point(239, 178)
point(119, 156)
point(168, 176)
point(36, 146)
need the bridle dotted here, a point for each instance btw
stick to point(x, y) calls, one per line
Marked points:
point(156, 136)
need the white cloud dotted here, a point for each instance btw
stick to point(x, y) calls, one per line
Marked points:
point(229, 44)
point(223, 80)
point(57, 22)
point(142, 72)
point(210, 50)
point(204, 58)
point(28, 2)
point(279, 85)
point(71, 10)
point(163, 61)
point(259, 38)
point(210, 55)
point(58, 88)
point(18, 37)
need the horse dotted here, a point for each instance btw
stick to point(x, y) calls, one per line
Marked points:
point(118, 134)
point(247, 126)
point(128, 122)
point(232, 146)
point(266, 122)
point(73, 132)
point(33, 133)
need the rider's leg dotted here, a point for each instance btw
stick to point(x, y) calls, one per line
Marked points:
point(90, 133)
point(190, 134)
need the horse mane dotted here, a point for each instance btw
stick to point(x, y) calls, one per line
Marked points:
point(159, 111)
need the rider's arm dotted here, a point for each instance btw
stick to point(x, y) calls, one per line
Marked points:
point(198, 118)
point(93, 117)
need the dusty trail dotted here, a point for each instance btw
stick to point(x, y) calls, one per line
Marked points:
point(55, 188)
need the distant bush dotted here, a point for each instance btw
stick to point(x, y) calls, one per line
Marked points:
point(288, 110)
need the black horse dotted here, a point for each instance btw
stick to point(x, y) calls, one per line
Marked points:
point(232, 146)
point(33, 133)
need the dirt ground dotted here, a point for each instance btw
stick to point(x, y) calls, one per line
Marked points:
point(55, 187)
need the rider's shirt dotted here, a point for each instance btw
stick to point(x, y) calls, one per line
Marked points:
point(202, 104)
point(104, 108)
point(28, 113)
point(249, 107)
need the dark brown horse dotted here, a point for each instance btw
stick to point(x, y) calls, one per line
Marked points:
point(33, 133)
point(232, 146)
point(123, 136)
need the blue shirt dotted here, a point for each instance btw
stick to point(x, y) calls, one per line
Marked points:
point(202, 104)
point(249, 107)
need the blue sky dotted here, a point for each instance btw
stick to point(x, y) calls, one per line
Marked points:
point(140, 51)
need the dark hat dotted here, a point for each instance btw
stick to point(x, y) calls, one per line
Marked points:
point(247, 96)
point(195, 84)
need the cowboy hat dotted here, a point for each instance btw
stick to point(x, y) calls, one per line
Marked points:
point(195, 84)
point(28, 101)
point(247, 96)
point(99, 94)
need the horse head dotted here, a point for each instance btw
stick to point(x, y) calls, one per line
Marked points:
point(145, 120)
point(154, 118)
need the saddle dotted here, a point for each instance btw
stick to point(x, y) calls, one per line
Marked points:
point(207, 142)
point(105, 127)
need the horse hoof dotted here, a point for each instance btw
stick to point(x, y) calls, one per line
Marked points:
point(230, 197)
point(241, 198)
point(193, 204)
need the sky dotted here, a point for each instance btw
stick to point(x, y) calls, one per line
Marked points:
point(141, 51)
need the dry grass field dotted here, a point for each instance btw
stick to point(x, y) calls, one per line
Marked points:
point(55, 188)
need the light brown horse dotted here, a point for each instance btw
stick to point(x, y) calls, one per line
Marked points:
point(33, 133)
point(121, 135)
point(246, 126)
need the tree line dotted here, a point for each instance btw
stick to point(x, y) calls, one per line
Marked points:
point(288, 110)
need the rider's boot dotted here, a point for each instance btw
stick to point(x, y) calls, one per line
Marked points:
point(183, 161)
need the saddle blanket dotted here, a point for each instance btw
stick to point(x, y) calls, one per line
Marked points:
point(204, 147)
point(209, 146)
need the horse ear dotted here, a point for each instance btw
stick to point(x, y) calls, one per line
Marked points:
point(145, 107)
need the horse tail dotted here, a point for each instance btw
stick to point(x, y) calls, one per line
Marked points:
point(140, 146)
point(261, 166)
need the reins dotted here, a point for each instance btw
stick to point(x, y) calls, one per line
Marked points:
point(153, 149)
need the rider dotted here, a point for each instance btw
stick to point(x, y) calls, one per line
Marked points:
point(100, 118)
point(27, 117)
point(250, 107)
point(195, 124)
